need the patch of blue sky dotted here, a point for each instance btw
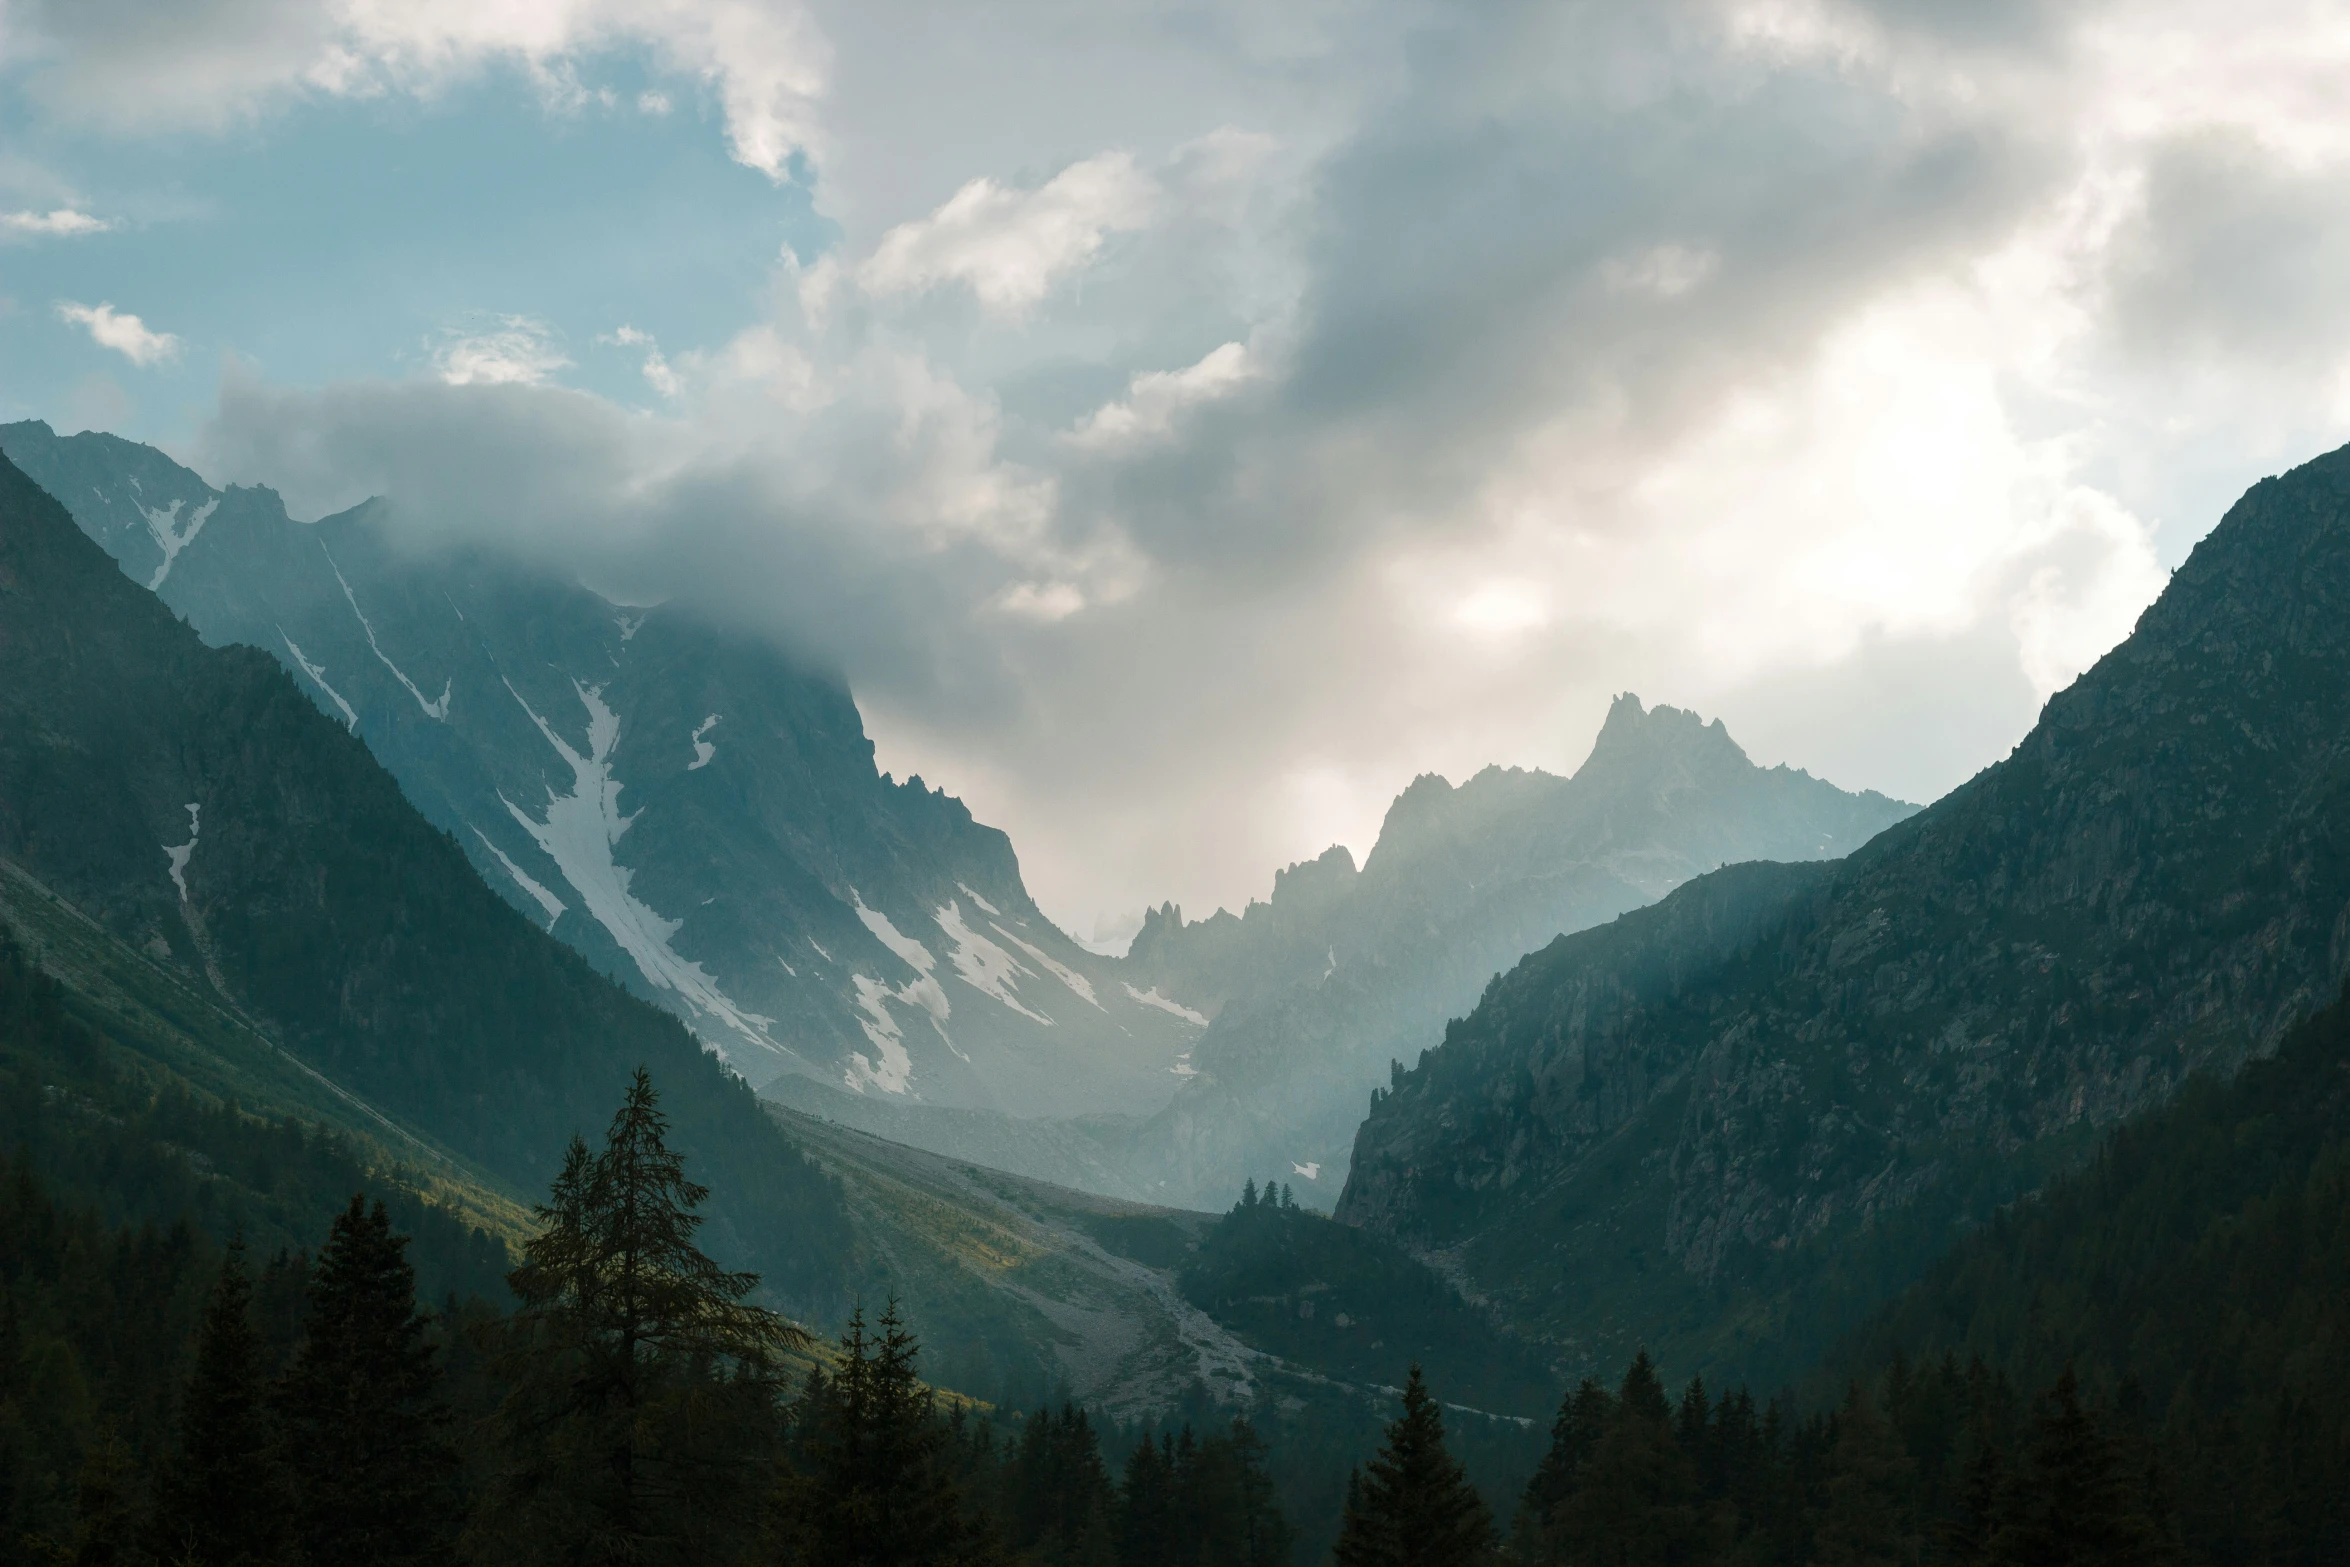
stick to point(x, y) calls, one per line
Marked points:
point(348, 238)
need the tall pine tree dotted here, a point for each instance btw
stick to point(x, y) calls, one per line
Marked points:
point(1866, 1523)
point(2075, 1501)
point(875, 1487)
point(366, 1448)
point(1413, 1505)
point(642, 1417)
point(220, 1502)
point(1635, 1496)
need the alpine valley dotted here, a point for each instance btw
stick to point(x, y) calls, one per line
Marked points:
point(700, 816)
point(328, 868)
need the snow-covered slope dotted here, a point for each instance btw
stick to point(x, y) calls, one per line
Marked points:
point(698, 814)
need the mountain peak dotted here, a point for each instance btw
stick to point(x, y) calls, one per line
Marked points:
point(1648, 740)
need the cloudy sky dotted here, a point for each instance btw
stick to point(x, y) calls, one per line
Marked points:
point(1185, 422)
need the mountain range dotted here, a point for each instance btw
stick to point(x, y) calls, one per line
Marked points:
point(696, 813)
point(1315, 992)
point(1777, 1118)
point(1728, 1124)
point(700, 815)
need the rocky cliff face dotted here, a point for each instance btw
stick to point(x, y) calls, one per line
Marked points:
point(1733, 1160)
point(1314, 993)
point(696, 813)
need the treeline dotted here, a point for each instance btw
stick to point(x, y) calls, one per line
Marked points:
point(635, 1406)
point(2200, 1269)
point(163, 1402)
point(1354, 1306)
point(1941, 1465)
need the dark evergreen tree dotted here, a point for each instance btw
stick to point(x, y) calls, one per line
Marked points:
point(1228, 1512)
point(875, 1485)
point(221, 1503)
point(1635, 1496)
point(1149, 1512)
point(1061, 1501)
point(366, 1449)
point(1866, 1520)
point(2075, 1501)
point(1574, 1436)
point(642, 1418)
point(1413, 1506)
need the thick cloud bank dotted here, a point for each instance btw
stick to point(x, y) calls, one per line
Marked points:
point(1209, 418)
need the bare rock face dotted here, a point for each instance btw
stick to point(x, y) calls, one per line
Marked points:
point(1726, 1125)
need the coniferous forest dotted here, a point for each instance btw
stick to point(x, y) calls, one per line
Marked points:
point(165, 1399)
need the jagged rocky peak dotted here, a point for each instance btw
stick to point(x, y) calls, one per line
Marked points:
point(1321, 878)
point(1670, 746)
point(1418, 814)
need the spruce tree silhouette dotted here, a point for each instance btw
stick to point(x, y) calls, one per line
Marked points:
point(876, 1490)
point(367, 1455)
point(1413, 1506)
point(220, 1503)
point(642, 1410)
point(2074, 1502)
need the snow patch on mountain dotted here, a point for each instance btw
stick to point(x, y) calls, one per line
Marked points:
point(1068, 976)
point(924, 990)
point(317, 673)
point(982, 964)
point(890, 1069)
point(630, 625)
point(1152, 998)
point(985, 906)
point(578, 833)
point(703, 749)
point(171, 535)
point(179, 856)
point(523, 879)
point(1311, 1169)
point(439, 709)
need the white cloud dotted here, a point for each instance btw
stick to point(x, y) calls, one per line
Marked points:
point(1010, 247)
point(1852, 370)
point(658, 373)
point(160, 64)
point(58, 222)
point(121, 331)
point(1154, 398)
point(517, 351)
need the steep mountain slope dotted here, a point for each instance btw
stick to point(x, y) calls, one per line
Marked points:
point(195, 808)
point(1732, 1123)
point(1315, 992)
point(696, 813)
point(2204, 1253)
point(2203, 1263)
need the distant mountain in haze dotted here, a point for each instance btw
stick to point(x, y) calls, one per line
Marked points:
point(695, 812)
point(1727, 1125)
point(1314, 993)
